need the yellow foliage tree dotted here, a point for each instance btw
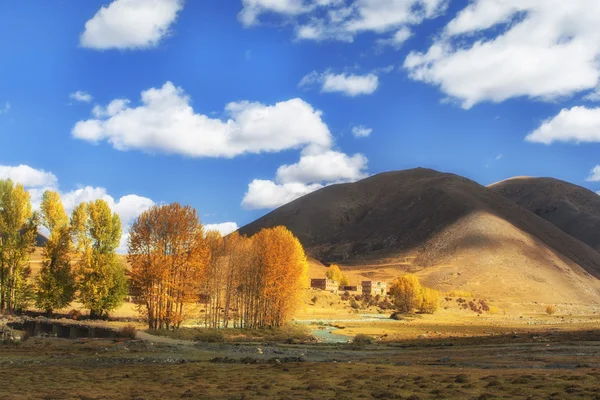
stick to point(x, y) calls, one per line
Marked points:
point(430, 300)
point(406, 291)
point(334, 273)
point(55, 284)
point(18, 231)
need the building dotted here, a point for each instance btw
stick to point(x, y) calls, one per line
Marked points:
point(351, 289)
point(374, 288)
point(324, 284)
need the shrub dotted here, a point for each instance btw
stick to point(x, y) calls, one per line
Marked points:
point(314, 300)
point(128, 331)
point(550, 310)
point(362, 338)
point(354, 304)
point(345, 296)
point(209, 336)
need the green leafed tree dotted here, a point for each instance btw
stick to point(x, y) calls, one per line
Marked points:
point(55, 284)
point(96, 233)
point(18, 232)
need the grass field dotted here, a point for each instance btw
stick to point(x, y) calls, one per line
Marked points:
point(564, 366)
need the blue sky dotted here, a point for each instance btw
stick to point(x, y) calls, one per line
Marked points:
point(251, 103)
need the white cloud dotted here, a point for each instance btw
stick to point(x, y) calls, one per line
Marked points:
point(577, 125)
point(349, 85)
point(341, 20)
point(499, 157)
point(594, 175)
point(130, 24)
point(81, 96)
point(268, 194)
point(37, 181)
point(224, 228)
point(397, 39)
point(593, 96)
point(495, 50)
point(329, 166)
point(5, 108)
point(361, 131)
point(28, 176)
point(165, 122)
point(312, 172)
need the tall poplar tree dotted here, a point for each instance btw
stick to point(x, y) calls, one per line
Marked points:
point(18, 233)
point(55, 284)
point(96, 233)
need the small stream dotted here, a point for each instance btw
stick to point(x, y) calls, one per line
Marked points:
point(326, 335)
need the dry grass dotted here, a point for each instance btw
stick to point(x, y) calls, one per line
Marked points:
point(286, 334)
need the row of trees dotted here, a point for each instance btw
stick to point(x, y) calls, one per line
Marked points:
point(408, 295)
point(245, 282)
point(88, 240)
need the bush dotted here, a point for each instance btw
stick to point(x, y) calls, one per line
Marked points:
point(362, 338)
point(345, 296)
point(354, 304)
point(550, 310)
point(314, 300)
point(209, 336)
point(128, 331)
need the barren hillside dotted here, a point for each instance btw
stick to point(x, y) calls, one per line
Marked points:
point(453, 232)
point(572, 208)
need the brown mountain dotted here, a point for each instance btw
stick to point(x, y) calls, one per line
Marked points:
point(453, 232)
point(572, 208)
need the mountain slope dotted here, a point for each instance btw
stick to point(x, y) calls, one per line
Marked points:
point(450, 230)
point(572, 208)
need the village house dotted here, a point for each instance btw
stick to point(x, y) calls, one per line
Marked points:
point(374, 288)
point(352, 289)
point(324, 284)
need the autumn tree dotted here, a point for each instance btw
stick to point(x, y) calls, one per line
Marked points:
point(18, 234)
point(168, 254)
point(334, 273)
point(430, 300)
point(273, 284)
point(55, 284)
point(408, 295)
point(96, 232)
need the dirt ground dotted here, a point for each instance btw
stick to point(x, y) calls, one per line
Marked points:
point(550, 365)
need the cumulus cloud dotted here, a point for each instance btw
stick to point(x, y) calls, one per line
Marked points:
point(81, 96)
point(224, 228)
point(165, 122)
point(361, 131)
point(347, 84)
point(576, 125)
point(594, 175)
point(312, 172)
point(329, 166)
point(28, 176)
point(493, 51)
point(397, 39)
point(130, 24)
point(340, 20)
point(268, 194)
point(37, 181)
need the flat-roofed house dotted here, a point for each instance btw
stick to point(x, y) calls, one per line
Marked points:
point(374, 288)
point(325, 284)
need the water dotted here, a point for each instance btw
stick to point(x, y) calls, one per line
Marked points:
point(326, 335)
